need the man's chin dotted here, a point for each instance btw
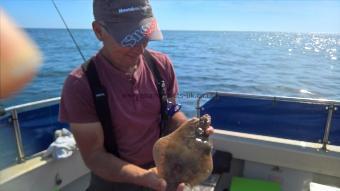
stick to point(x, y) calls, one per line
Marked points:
point(133, 60)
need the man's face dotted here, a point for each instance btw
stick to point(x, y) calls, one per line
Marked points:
point(122, 56)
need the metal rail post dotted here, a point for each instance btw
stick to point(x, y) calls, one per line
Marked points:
point(20, 148)
point(331, 109)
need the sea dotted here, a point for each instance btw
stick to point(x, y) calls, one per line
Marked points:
point(262, 63)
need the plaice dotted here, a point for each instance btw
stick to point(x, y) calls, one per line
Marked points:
point(184, 156)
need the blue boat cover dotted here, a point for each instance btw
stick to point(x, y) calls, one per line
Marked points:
point(37, 131)
point(270, 117)
point(334, 136)
point(8, 152)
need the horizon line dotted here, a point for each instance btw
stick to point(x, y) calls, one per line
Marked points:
point(192, 30)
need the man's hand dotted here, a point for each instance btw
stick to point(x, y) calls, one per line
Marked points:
point(181, 187)
point(154, 181)
point(209, 130)
point(157, 183)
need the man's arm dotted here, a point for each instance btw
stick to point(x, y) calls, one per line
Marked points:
point(176, 120)
point(90, 140)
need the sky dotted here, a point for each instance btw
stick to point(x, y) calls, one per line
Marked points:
point(204, 15)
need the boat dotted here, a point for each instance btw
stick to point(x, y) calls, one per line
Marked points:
point(288, 143)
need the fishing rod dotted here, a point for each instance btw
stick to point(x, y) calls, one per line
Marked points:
point(69, 31)
point(57, 177)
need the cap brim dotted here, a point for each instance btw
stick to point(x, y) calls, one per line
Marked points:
point(129, 34)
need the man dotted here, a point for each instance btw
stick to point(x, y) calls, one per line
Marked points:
point(124, 27)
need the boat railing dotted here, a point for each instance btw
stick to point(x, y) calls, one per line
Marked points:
point(14, 119)
point(317, 107)
point(329, 105)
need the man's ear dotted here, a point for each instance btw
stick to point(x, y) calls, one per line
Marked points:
point(98, 30)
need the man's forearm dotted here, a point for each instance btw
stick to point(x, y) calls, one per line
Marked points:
point(114, 169)
point(176, 120)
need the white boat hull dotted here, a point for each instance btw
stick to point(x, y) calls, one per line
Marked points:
point(38, 174)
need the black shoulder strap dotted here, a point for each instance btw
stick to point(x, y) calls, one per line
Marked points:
point(151, 61)
point(100, 98)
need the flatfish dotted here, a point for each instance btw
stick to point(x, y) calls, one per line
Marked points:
point(184, 156)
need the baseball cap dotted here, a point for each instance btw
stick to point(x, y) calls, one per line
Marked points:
point(128, 21)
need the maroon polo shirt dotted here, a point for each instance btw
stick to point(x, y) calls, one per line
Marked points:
point(134, 104)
